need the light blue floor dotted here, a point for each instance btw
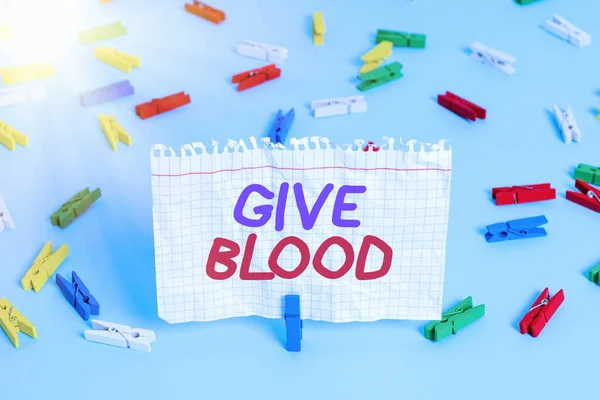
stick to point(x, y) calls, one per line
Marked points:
point(112, 245)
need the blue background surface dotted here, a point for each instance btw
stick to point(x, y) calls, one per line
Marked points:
point(111, 246)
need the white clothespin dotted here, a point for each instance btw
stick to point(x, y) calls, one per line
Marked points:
point(341, 106)
point(495, 58)
point(120, 335)
point(8, 97)
point(5, 218)
point(567, 31)
point(262, 51)
point(568, 126)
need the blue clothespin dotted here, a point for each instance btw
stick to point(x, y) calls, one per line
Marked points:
point(281, 126)
point(78, 295)
point(293, 323)
point(516, 229)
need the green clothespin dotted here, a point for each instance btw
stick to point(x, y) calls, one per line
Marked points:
point(454, 319)
point(588, 173)
point(525, 2)
point(594, 275)
point(379, 76)
point(74, 207)
point(401, 39)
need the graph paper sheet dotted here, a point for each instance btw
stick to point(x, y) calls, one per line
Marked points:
point(360, 236)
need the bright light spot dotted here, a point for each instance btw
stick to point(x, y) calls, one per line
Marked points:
point(42, 30)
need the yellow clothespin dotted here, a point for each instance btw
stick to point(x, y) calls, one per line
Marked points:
point(6, 32)
point(13, 322)
point(117, 59)
point(375, 57)
point(25, 73)
point(113, 131)
point(10, 137)
point(44, 266)
point(318, 29)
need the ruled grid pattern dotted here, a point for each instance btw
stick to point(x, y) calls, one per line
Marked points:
point(406, 205)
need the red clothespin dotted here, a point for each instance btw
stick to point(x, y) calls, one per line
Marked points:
point(371, 145)
point(159, 106)
point(205, 11)
point(460, 106)
point(540, 312)
point(255, 77)
point(589, 196)
point(523, 194)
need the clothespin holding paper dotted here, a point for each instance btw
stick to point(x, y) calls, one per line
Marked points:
point(281, 126)
point(44, 265)
point(6, 220)
point(10, 137)
point(13, 322)
point(74, 207)
point(117, 59)
point(113, 131)
point(376, 56)
point(293, 322)
point(380, 76)
point(318, 29)
point(454, 320)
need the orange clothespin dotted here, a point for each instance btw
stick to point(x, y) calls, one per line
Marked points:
point(255, 77)
point(205, 11)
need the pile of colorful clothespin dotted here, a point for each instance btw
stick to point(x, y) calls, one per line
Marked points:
point(372, 74)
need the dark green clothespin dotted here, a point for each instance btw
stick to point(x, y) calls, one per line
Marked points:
point(588, 173)
point(594, 275)
point(380, 76)
point(454, 319)
point(525, 2)
point(401, 39)
point(74, 207)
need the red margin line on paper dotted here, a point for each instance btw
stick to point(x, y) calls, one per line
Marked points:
point(306, 169)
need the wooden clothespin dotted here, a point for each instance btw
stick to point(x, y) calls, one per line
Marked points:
point(454, 319)
point(113, 131)
point(13, 322)
point(205, 11)
point(117, 59)
point(10, 137)
point(540, 312)
point(74, 207)
point(256, 77)
point(401, 39)
point(78, 295)
point(380, 76)
point(44, 266)
point(376, 56)
point(523, 194)
point(318, 29)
